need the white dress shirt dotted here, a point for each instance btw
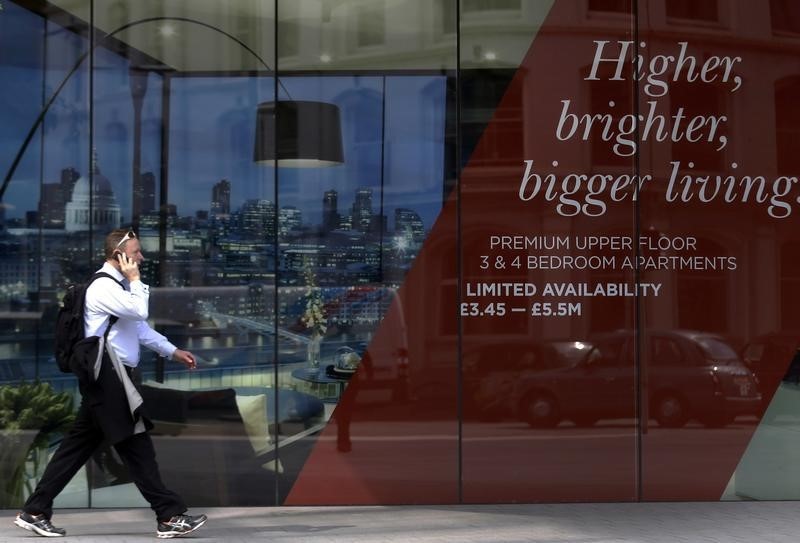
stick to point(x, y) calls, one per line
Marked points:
point(104, 297)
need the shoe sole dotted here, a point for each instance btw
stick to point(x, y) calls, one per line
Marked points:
point(170, 535)
point(33, 528)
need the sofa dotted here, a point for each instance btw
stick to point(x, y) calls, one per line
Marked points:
point(217, 447)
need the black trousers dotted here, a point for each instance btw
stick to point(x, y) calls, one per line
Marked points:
point(83, 439)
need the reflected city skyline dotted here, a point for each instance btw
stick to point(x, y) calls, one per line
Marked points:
point(343, 244)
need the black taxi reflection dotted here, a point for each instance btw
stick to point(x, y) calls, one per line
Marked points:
point(684, 375)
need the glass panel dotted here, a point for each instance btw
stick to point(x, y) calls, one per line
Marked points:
point(547, 256)
point(610, 6)
point(715, 221)
point(367, 269)
point(705, 10)
point(176, 95)
point(490, 5)
point(784, 16)
point(38, 255)
point(356, 35)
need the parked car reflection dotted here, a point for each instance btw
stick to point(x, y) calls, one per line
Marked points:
point(773, 357)
point(492, 369)
point(685, 375)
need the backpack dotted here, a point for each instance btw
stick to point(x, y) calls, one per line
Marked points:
point(69, 321)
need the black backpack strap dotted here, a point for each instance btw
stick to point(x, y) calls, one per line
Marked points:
point(112, 319)
point(98, 275)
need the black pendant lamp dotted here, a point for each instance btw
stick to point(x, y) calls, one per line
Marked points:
point(309, 134)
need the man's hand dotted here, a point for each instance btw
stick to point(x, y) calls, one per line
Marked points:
point(128, 267)
point(186, 358)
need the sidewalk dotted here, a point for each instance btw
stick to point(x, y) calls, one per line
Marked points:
point(745, 522)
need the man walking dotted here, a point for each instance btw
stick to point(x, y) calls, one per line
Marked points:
point(116, 309)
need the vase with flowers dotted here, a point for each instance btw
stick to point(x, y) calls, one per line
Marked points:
point(314, 319)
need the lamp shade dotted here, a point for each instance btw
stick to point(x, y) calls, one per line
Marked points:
point(309, 134)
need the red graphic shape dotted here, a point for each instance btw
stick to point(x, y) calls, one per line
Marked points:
point(655, 411)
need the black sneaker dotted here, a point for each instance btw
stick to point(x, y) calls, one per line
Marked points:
point(179, 525)
point(39, 524)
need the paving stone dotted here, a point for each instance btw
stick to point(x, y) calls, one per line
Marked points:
point(718, 522)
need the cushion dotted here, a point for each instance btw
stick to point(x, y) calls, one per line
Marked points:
point(253, 410)
point(212, 403)
point(189, 406)
point(163, 404)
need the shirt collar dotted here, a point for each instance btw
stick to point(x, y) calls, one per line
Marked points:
point(112, 271)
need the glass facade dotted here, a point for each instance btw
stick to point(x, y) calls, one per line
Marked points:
point(554, 261)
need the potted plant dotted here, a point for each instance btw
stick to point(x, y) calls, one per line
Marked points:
point(30, 413)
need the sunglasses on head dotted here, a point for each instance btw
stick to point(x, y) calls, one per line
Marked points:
point(129, 235)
